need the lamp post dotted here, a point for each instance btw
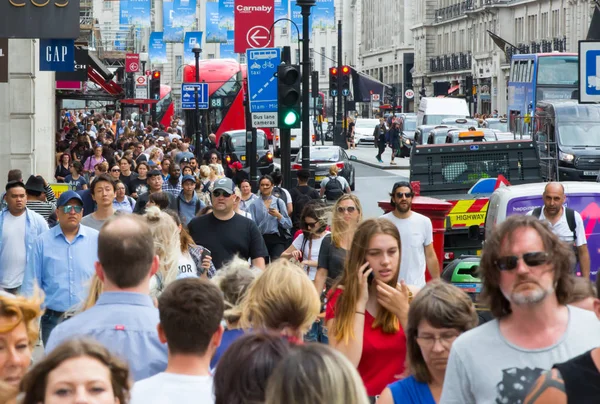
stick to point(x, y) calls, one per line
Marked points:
point(198, 148)
point(305, 6)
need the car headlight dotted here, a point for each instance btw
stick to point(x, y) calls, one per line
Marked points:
point(407, 141)
point(566, 157)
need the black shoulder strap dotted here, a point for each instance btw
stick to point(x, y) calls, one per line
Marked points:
point(571, 221)
point(537, 212)
point(178, 205)
point(197, 204)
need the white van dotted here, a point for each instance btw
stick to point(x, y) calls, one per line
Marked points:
point(433, 110)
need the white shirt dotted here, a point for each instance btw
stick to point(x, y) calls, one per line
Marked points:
point(13, 254)
point(170, 388)
point(187, 266)
point(416, 233)
point(310, 254)
point(562, 230)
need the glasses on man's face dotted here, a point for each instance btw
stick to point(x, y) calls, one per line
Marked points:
point(70, 208)
point(531, 259)
point(406, 195)
point(349, 209)
point(218, 193)
point(428, 341)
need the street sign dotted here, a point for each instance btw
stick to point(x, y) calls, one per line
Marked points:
point(141, 86)
point(589, 72)
point(409, 94)
point(375, 97)
point(253, 19)
point(141, 80)
point(262, 83)
point(57, 55)
point(188, 97)
point(3, 60)
point(264, 120)
point(132, 62)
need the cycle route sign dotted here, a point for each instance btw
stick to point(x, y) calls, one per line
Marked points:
point(262, 85)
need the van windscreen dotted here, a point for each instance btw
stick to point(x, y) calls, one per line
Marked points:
point(579, 133)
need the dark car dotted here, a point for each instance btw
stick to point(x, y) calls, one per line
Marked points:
point(439, 134)
point(322, 157)
point(264, 156)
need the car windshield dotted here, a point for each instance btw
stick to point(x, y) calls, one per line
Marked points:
point(367, 123)
point(579, 133)
point(410, 124)
point(498, 125)
point(332, 155)
point(439, 139)
point(239, 141)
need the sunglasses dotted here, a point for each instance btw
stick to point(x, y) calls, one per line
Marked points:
point(115, 171)
point(532, 259)
point(407, 195)
point(219, 193)
point(349, 209)
point(69, 208)
point(309, 225)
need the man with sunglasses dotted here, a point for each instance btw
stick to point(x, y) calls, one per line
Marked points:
point(527, 280)
point(226, 233)
point(62, 262)
point(416, 235)
point(565, 223)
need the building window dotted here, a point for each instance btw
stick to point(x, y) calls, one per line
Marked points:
point(284, 31)
point(532, 27)
point(323, 61)
point(108, 5)
point(554, 30)
point(544, 27)
point(333, 54)
point(211, 55)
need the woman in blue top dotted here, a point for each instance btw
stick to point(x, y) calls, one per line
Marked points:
point(439, 313)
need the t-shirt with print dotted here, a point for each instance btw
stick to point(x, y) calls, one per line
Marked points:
point(138, 186)
point(310, 251)
point(77, 184)
point(416, 233)
point(484, 367)
point(187, 266)
point(171, 388)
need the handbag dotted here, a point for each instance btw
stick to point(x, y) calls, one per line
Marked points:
point(284, 233)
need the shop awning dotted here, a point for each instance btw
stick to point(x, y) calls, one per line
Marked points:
point(453, 89)
point(364, 86)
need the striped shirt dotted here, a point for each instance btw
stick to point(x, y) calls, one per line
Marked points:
point(44, 208)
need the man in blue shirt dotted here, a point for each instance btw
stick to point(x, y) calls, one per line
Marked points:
point(62, 262)
point(188, 203)
point(124, 319)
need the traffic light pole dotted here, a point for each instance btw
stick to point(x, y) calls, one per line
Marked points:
point(338, 135)
point(305, 5)
point(285, 135)
point(250, 141)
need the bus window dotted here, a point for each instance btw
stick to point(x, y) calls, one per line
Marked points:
point(558, 70)
point(531, 70)
point(513, 70)
point(524, 74)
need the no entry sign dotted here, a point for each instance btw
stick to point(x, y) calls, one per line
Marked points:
point(253, 19)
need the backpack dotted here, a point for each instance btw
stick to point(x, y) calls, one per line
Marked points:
point(300, 199)
point(333, 189)
point(570, 219)
point(279, 193)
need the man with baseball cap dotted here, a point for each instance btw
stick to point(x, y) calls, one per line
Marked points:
point(62, 262)
point(188, 203)
point(19, 227)
point(416, 234)
point(184, 152)
point(155, 183)
point(226, 233)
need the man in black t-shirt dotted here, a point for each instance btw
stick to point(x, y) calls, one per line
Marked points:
point(301, 195)
point(226, 233)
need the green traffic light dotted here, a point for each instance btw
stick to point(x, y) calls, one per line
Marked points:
point(290, 118)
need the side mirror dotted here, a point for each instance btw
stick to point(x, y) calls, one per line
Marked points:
point(353, 158)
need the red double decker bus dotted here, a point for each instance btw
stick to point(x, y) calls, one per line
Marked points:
point(225, 78)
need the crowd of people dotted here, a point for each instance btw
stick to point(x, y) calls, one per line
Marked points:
point(219, 295)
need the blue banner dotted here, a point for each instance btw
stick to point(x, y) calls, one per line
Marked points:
point(157, 50)
point(282, 10)
point(297, 18)
point(185, 14)
point(323, 15)
point(226, 15)
point(57, 55)
point(135, 13)
point(191, 38)
point(226, 49)
point(171, 32)
point(213, 33)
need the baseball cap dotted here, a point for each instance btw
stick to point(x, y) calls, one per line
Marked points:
point(402, 184)
point(184, 160)
point(188, 178)
point(65, 197)
point(224, 184)
point(154, 173)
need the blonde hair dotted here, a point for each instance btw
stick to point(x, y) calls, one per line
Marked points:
point(214, 168)
point(166, 243)
point(315, 373)
point(153, 153)
point(95, 290)
point(333, 169)
point(204, 171)
point(339, 228)
point(282, 296)
point(21, 309)
point(233, 279)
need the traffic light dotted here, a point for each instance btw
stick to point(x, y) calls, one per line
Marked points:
point(288, 96)
point(345, 81)
point(333, 81)
point(155, 85)
point(315, 84)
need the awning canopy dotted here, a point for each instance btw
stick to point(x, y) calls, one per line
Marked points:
point(364, 86)
point(453, 89)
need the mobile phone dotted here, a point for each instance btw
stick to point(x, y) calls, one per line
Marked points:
point(370, 277)
point(205, 253)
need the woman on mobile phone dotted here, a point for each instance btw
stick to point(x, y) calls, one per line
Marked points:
point(367, 309)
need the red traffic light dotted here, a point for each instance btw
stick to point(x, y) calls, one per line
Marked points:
point(345, 69)
point(333, 71)
point(156, 74)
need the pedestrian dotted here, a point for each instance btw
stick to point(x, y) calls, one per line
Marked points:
point(173, 184)
point(126, 175)
point(394, 140)
point(190, 324)
point(19, 332)
point(158, 199)
point(188, 203)
point(245, 368)
point(62, 170)
point(236, 204)
point(350, 134)
point(565, 222)
point(224, 232)
point(334, 186)
point(416, 231)
point(76, 181)
point(315, 373)
point(233, 280)
point(584, 294)
point(367, 309)
point(103, 191)
point(77, 371)
point(139, 185)
point(247, 196)
point(124, 318)
point(237, 173)
point(347, 214)
point(40, 197)
point(93, 160)
point(19, 228)
point(283, 300)
point(155, 183)
point(62, 262)
point(271, 217)
point(281, 192)
point(122, 202)
point(115, 172)
point(438, 314)
point(301, 195)
point(525, 270)
point(379, 135)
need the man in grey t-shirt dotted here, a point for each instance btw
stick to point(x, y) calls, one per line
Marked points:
point(103, 191)
point(526, 281)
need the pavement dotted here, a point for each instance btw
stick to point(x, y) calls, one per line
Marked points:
point(365, 154)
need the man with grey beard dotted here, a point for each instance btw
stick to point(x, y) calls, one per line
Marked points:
point(526, 274)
